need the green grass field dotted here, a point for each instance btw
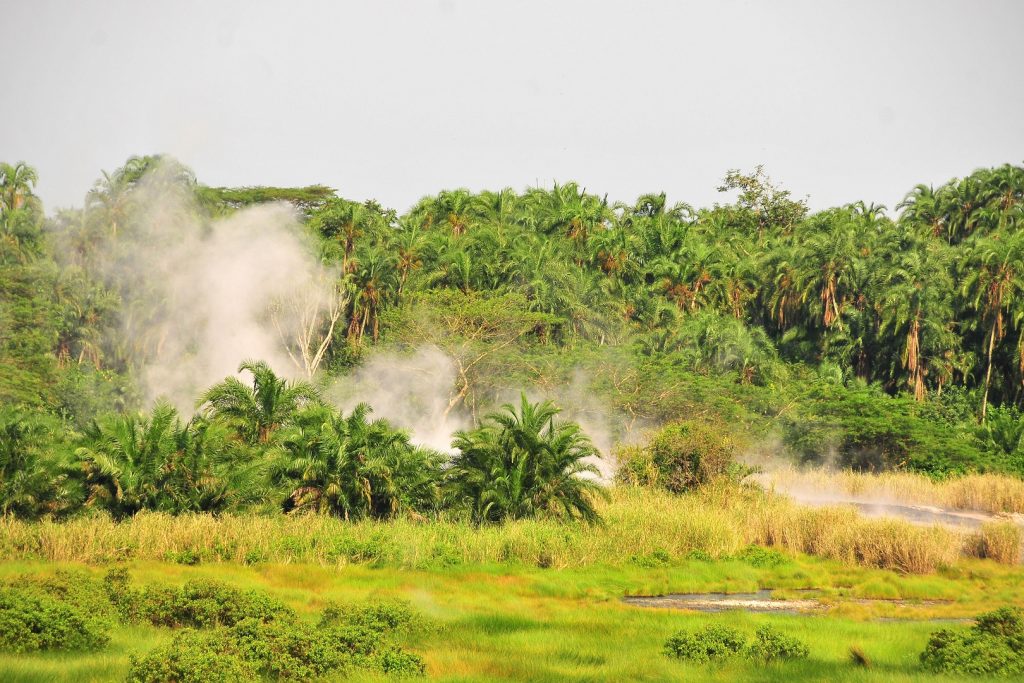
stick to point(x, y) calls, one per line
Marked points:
point(503, 622)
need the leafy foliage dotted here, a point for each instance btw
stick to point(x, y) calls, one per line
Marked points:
point(352, 467)
point(680, 457)
point(522, 463)
point(30, 620)
point(994, 646)
point(709, 644)
point(721, 643)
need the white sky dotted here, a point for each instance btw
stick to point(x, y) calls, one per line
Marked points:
point(396, 99)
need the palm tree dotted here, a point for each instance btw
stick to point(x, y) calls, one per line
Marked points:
point(345, 222)
point(154, 462)
point(923, 207)
point(411, 244)
point(16, 185)
point(33, 481)
point(352, 467)
point(373, 281)
point(916, 306)
point(257, 411)
point(499, 209)
point(521, 463)
point(994, 283)
point(123, 458)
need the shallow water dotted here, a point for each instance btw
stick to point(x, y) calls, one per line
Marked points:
point(760, 601)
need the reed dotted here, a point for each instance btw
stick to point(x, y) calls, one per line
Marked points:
point(992, 493)
point(718, 521)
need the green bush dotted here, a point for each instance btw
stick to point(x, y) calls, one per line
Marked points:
point(680, 457)
point(76, 589)
point(711, 643)
point(396, 662)
point(192, 657)
point(719, 643)
point(994, 646)
point(386, 616)
point(289, 651)
point(274, 645)
point(771, 645)
point(756, 556)
point(201, 604)
point(31, 621)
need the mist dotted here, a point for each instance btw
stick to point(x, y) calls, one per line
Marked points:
point(203, 295)
point(418, 392)
point(412, 391)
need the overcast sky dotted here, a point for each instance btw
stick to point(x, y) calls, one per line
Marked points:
point(840, 100)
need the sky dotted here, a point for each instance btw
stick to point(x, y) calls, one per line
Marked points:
point(393, 100)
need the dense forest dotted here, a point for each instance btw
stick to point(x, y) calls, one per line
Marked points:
point(870, 337)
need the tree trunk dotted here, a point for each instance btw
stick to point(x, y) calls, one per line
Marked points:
point(988, 372)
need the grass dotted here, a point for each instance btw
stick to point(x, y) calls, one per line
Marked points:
point(526, 623)
point(993, 493)
point(541, 600)
point(639, 525)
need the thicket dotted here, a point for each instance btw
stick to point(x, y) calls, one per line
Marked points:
point(716, 644)
point(993, 646)
point(681, 457)
point(65, 611)
point(221, 633)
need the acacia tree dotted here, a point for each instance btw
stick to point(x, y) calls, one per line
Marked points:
point(522, 463)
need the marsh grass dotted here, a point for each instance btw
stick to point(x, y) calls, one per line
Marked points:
point(505, 623)
point(993, 493)
point(640, 525)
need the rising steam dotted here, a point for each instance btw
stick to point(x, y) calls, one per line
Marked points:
point(204, 295)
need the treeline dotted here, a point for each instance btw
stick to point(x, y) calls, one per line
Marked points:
point(882, 337)
point(274, 444)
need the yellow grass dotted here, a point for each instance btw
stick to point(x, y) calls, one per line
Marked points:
point(639, 523)
point(994, 493)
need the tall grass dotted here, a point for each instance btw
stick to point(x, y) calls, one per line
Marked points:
point(638, 523)
point(994, 493)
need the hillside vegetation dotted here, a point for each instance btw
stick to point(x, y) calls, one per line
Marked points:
point(868, 339)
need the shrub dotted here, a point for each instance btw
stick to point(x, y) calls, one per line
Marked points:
point(290, 651)
point(771, 645)
point(680, 457)
point(994, 646)
point(274, 645)
point(756, 556)
point(191, 657)
point(711, 643)
point(396, 662)
point(657, 558)
point(76, 589)
point(719, 643)
point(202, 604)
point(31, 621)
point(387, 616)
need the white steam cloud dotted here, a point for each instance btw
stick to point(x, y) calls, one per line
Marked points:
point(412, 391)
point(199, 294)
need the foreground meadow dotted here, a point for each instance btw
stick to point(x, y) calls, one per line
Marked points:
point(542, 600)
point(525, 623)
